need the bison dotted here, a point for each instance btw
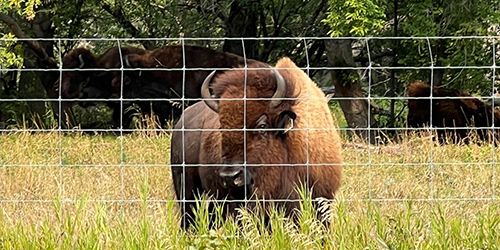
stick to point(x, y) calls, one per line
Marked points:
point(454, 115)
point(165, 83)
point(72, 83)
point(290, 139)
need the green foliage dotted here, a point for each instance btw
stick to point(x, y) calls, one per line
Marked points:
point(294, 18)
point(419, 19)
point(11, 52)
point(450, 18)
point(355, 17)
point(98, 116)
point(25, 8)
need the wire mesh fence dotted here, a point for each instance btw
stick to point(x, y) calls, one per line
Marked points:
point(371, 101)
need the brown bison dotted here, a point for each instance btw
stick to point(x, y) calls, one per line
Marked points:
point(72, 83)
point(81, 58)
point(453, 116)
point(290, 139)
point(169, 81)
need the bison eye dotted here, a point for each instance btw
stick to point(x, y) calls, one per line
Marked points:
point(263, 130)
point(262, 125)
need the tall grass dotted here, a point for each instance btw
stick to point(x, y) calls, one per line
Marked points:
point(415, 194)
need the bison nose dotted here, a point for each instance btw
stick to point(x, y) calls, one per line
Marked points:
point(234, 177)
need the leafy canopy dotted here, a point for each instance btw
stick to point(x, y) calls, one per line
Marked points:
point(355, 17)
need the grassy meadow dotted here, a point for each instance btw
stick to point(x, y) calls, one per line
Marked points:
point(78, 191)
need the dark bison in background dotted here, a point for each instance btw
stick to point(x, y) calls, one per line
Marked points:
point(149, 76)
point(93, 74)
point(169, 80)
point(268, 140)
point(458, 115)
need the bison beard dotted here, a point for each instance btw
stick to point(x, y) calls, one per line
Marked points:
point(450, 113)
point(259, 147)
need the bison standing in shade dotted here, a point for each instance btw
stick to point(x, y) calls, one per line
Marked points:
point(94, 75)
point(72, 82)
point(159, 74)
point(453, 114)
point(279, 152)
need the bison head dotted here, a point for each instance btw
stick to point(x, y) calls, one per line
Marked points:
point(71, 81)
point(96, 86)
point(254, 130)
point(107, 84)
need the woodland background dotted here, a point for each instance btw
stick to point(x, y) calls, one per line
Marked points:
point(355, 20)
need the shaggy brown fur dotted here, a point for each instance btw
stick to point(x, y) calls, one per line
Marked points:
point(169, 83)
point(72, 80)
point(270, 182)
point(173, 57)
point(449, 113)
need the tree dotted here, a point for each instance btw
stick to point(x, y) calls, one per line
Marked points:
point(352, 18)
point(111, 19)
point(253, 19)
point(408, 19)
point(40, 26)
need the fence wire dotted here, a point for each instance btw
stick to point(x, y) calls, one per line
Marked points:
point(369, 79)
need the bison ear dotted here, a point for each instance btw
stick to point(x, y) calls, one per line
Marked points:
point(284, 122)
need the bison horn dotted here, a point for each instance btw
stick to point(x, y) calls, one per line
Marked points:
point(280, 90)
point(127, 62)
point(205, 93)
point(80, 57)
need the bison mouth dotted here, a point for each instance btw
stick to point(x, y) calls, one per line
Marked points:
point(241, 193)
point(238, 181)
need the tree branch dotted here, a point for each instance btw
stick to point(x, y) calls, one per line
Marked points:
point(278, 25)
point(76, 27)
point(202, 11)
point(365, 59)
point(34, 45)
point(375, 108)
point(122, 20)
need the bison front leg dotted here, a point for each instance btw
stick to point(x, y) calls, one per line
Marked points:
point(187, 185)
point(121, 114)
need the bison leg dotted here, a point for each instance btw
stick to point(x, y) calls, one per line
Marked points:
point(125, 116)
point(187, 184)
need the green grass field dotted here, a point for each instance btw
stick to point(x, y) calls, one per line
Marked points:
point(411, 195)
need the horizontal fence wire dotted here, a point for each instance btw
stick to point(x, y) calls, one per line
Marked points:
point(486, 199)
point(239, 130)
point(252, 69)
point(367, 153)
point(409, 164)
point(254, 38)
point(174, 99)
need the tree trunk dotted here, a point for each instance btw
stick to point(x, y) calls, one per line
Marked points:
point(356, 111)
point(9, 82)
point(2, 123)
point(42, 28)
point(242, 22)
point(2, 120)
point(394, 81)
